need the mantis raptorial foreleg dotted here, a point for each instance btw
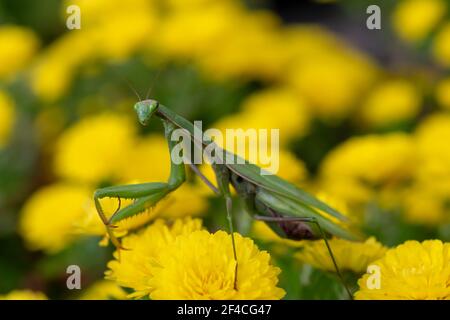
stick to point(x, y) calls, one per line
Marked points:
point(134, 191)
point(322, 233)
point(146, 195)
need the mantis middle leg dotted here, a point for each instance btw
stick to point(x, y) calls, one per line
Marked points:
point(223, 176)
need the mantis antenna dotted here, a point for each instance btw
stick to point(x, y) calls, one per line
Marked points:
point(153, 84)
point(133, 89)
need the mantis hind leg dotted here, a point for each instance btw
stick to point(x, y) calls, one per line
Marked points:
point(322, 234)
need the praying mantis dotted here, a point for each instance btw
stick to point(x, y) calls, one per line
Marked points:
point(288, 210)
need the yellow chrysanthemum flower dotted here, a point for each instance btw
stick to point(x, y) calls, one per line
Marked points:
point(260, 52)
point(186, 194)
point(304, 41)
point(181, 5)
point(278, 108)
point(7, 116)
point(145, 18)
point(24, 295)
point(217, 16)
point(353, 256)
point(442, 93)
point(413, 20)
point(441, 46)
point(17, 47)
point(269, 109)
point(51, 78)
point(426, 200)
point(123, 33)
point(94, 12)
point(291, 168)
point(52, 74)
point(200, 265)
point(424, 205)
point(412, 270)
point(148, 160)
point(320, 74)
point(95, 148)
point(104, 290)
point(391, 102)
point(354, 170)
point(321, 63)
point(260, 55)
point(432, 137)
point(48, 217)
point(135, 267)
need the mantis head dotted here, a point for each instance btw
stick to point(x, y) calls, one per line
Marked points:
point(145, 109)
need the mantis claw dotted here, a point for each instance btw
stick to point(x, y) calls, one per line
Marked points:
point(114, 240)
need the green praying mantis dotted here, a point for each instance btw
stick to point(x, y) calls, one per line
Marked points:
point(289, 211)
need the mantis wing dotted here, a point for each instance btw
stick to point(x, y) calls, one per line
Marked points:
point(286, 198)
point(293, 208)
point(281, 187)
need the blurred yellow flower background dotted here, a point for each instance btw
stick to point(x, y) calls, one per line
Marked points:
point(7, 116)
point(364, 124)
